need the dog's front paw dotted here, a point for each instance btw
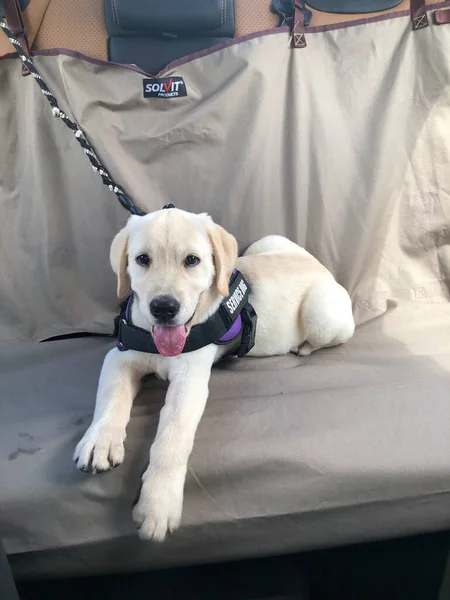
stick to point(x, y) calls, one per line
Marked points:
point(100, 449)
point(159, 508)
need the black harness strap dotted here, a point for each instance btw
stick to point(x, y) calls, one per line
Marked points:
point(130, 337)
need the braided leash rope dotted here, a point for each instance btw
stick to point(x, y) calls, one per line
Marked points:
point(97, 166)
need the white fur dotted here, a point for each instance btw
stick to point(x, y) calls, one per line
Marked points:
point(300, 308)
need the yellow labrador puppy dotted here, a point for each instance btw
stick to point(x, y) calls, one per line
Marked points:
point(178, 266)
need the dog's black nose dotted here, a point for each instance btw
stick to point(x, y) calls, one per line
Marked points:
point(164, 308)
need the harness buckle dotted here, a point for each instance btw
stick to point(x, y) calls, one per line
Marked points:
point(249, 321)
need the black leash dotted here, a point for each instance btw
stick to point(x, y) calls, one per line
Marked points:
point(27, 61)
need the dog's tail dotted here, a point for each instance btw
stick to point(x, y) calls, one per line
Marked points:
point(272, 244)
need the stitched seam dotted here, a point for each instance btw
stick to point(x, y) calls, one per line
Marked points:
point(221, 13)
point(225, 18)
point(115, 12)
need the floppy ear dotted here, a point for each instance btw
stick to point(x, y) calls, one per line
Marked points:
point(225, 252)
point(119, 262)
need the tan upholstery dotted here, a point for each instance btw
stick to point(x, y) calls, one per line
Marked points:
point(323, 18)
point(255, 15)
point(76, 25)
point(80, 26)
point(32, 15)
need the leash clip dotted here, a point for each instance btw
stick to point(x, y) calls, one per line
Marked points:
point(24, 34)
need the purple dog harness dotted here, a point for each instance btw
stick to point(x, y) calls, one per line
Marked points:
point(234, 319)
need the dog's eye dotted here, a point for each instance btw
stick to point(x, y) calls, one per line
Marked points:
point(191, 261)
point(143, 260)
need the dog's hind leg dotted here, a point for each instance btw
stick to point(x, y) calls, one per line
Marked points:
point(326, 317)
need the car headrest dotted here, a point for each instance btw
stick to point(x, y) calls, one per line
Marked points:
point(179, 17)
point(353, 7)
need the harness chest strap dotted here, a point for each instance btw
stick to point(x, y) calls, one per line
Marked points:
point(235, 317)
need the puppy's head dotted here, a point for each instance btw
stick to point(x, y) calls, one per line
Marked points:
point(178, 265)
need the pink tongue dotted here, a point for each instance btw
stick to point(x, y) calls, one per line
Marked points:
point(170, 341)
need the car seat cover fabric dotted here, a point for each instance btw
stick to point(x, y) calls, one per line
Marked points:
point(343, 146)
point(355, 181)
point(348, 445)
